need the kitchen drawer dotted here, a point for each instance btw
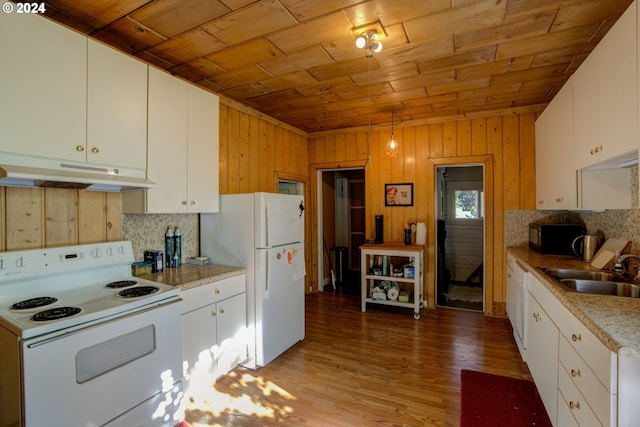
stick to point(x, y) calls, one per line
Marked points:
point(545, 298)
point(565, 416)
point(593, 391)
point(570, 399)
point(602, 361)
point(212, 292)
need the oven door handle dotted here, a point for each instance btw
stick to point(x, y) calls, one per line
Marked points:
point(79, 328)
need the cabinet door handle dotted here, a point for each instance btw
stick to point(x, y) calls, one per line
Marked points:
point(95, 150)
point(213, 314)
point(193, 202)
point(576, 338)
point(537, 317)
point(574, 405)
point(222, 311)
point(184, 202)
point(79, 148)
point(575, 373)
point(217, 292)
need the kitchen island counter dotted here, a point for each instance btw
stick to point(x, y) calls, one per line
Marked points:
point(614, 320)
point(190, 276)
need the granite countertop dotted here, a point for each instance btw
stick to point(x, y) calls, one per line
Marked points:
point(191, 276)
point(614, 320)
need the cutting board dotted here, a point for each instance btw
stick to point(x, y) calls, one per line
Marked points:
point(608, 251)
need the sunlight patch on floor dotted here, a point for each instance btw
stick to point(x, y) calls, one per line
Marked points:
point(242, 398)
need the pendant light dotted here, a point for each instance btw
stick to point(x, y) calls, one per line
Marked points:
point(392, 146)
point(370, 41)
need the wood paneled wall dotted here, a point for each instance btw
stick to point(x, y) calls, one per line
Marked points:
point(256, 151)
point(35, 217)
point(505, 144)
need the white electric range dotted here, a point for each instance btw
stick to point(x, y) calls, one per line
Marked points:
point(84, 342)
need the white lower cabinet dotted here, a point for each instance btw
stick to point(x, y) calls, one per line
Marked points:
point(573, 410)
point(516, 291)
point(214, 336)
point(576, 375)
point(583, 395)
point(542, 354)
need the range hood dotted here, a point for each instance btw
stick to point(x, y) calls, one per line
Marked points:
point(31, 171)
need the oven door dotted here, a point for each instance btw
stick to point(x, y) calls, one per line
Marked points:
point(94, 375)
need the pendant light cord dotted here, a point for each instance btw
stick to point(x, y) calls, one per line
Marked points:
point(369, 110)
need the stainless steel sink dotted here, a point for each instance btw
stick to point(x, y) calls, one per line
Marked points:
point(620, 289)
point(595, 282)
point(562, 273)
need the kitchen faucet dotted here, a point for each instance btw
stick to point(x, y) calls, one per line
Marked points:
point(619, 266)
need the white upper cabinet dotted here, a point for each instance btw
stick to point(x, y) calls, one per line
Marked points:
point(591, 126)
point(43, 82)
point(605, 94)
point(70, 98)
point(116, 108)
point(167, 143)
point(182, 149)
point(203, 151)
point(555, 173)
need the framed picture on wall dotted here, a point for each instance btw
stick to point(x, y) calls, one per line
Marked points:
point(398, 194)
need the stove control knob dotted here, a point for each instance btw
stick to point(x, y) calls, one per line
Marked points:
point(121, 250)
point(110, 251)
point(21, 262)
point(2, 264)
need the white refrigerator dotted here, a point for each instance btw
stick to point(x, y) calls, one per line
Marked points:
point(264, 233)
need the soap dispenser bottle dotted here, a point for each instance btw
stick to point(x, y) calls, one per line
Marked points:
point(177, 241)
point(169, 248)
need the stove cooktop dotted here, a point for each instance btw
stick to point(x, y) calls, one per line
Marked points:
point(53, 290)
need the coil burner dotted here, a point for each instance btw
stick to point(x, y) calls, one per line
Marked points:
point(138, 291)
point(121, 284)
point(33, 303)
point(55, 314)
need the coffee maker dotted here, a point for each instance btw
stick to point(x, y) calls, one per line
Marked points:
point(379, 229)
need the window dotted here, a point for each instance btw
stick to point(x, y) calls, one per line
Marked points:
point(465, 201)
point(469, 204)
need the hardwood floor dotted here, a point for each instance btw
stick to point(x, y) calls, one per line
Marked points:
point(379, 368)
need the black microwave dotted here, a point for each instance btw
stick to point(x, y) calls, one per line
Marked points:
point(554, 238)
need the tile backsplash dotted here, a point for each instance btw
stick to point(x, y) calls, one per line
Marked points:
point(146, 232)
point(622, 223)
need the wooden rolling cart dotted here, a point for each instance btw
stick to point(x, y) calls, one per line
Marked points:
point(392, 275)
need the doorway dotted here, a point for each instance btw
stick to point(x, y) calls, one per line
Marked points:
point(341, 219)
point(460, 231)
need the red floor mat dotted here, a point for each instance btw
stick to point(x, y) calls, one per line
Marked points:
point(489, 400)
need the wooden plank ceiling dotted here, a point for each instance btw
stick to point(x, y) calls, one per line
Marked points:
point(296, 60)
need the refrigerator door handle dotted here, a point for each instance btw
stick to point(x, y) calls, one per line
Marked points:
point(266, 275)
point(266, 221)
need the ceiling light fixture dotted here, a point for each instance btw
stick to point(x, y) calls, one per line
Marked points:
point(369, 40)
point(392, 146)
